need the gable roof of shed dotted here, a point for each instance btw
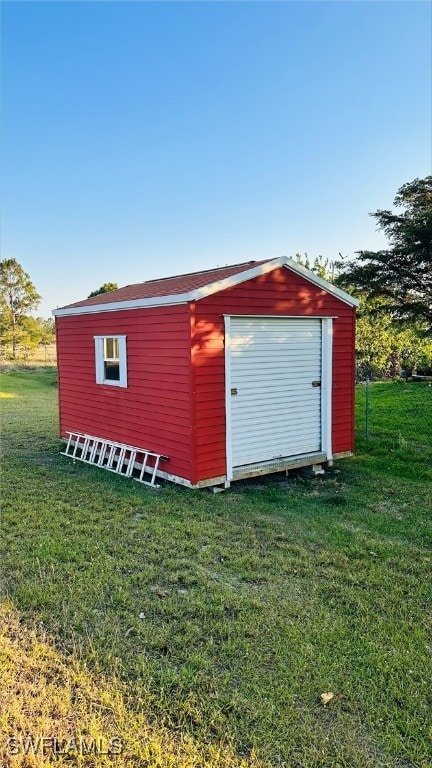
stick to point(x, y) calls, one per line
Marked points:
point(191, 287)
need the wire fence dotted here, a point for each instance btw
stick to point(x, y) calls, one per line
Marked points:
point(397, 411)
point(40, 355)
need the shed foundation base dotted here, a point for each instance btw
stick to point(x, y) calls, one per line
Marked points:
point(278, 465)
point(256, 470)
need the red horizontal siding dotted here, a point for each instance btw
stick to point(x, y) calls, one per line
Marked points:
point(177, 408)
point(126, 415)
point(154, 411)
point(277, 293)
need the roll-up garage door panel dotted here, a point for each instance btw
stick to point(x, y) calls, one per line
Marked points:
point(276, 411)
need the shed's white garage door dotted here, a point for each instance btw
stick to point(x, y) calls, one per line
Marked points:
point(275, 388)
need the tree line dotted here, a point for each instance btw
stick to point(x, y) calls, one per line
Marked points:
point(21, 334)
point(393, 285)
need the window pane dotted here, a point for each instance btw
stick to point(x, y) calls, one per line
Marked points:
point(112, 371)
point(111, 348)
point(108, 347)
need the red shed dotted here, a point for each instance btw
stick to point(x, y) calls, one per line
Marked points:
point(228, 373)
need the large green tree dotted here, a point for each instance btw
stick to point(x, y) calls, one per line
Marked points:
point(18, 297)
point(402, 273)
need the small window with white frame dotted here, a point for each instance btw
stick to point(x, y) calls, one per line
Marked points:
point(111, 361)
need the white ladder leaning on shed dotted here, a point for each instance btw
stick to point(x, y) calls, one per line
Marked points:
point(116, 457)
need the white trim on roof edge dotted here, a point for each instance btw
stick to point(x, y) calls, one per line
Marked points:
point(208, 290)
point(116, 306)
point(313, 278)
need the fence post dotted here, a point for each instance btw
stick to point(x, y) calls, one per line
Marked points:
point(367, 420)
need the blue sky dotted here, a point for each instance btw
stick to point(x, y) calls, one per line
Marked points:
point(147, 139)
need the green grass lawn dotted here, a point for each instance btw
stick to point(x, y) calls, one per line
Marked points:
point(219, 620)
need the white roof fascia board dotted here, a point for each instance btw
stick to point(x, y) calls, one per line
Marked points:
point(240, 277)
point(314, 278)
point(208, 290)
point(181, 298)
point(269, 266)
point(115, 306)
